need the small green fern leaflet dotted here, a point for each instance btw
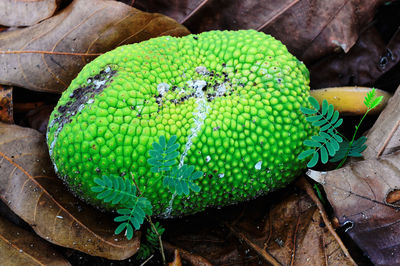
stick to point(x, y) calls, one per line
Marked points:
point(371, 101)
point(353, 150)
point(114, 189)
point(117, 190)
point(150, 244)
point(180, 180)
point(164, 154)
point(135, 216)
point(163, 158)
point(326, 144)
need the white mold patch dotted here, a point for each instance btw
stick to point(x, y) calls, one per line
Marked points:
point(208, 158)
point(79, 98)
point(258, 165)
point(199, 116)
point(221, 90)
point(202, 70)
point(163, 88)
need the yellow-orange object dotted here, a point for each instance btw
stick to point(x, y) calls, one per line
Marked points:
point(350, 100)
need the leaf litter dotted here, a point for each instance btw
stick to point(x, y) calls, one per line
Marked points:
point(196, 15)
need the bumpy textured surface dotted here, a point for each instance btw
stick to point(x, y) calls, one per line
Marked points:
point(231, 97)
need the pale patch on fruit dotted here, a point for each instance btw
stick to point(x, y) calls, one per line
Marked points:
point(163, 88)
point(198, 116)
point(78, 100)
point(258, 165)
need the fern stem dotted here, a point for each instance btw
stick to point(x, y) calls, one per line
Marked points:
point(352, 140)
point(159, 239)
point(152, 225)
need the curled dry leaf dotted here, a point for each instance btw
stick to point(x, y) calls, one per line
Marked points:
point(47, 56)
point(359, 194)
point(26, 12)
point(20, 247)
point(177, 259)
point(279, 229)
point(30, 189)
point(350, 100)
point(6, 104)
point(310, 29)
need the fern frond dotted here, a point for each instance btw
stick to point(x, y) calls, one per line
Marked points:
point(371, 101)
point(180, 180)
point(164, 154)
point(150, 244)
point(114, 189)
point(353, 150)
point(326, 143)
point(133, 217)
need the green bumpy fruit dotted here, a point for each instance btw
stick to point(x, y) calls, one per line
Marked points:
point(232, 98)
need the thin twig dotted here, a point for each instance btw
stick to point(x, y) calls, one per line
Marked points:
point(159, 239)
point(147, 260)
point(310, 192)
point(294, 241)
point(259, 250)
point(152, 225)
point(387, 140)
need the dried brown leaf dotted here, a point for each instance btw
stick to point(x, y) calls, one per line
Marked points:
point(367, 61)
point(177, 259)
point(30, 189)
point(310, 29)
point(6, 104)
point(20, 247)
point(384, 136)
point(287, 229)
point(358, 194)
point(47, 56)
point(26, 12)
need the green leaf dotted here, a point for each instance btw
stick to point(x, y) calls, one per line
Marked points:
point(121, 218)
point(312, 143)
point(319, 138)
point(335, 117)
point(129, 232)
point(324, 107)
point(314, 118)
point(163, 155)
point(162, 142)
point(313, 161)
point(313, 102)
point(172, 140)
point(371, 101)
point(157, 147)
point(197, 175)
point(330, 148)
point(324, 155)
point(330, 112)
point(305, 154)
point(319, 123)
point(179, 180)
point(338, 123)
point(308, 111)
point(120, 228)
point(337, 138)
